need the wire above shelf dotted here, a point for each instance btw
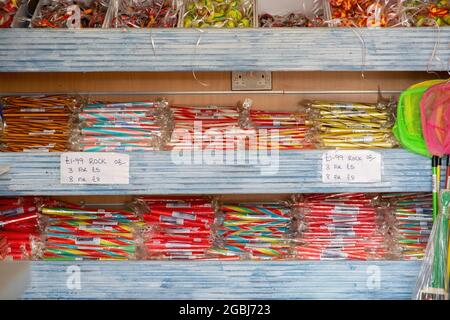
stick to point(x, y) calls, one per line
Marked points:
point(278, 49)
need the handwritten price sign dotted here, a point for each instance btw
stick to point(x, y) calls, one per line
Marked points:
point(94, 168)
point(351, 166)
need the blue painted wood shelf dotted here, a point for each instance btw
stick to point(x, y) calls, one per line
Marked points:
point(279, 49)
point(223, 280)
point(156, 173)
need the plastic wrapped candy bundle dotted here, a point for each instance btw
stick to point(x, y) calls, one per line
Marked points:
point(8, 9)
point(413, 221)
point(77, 233)
point(259, 231)
point(199, 128)
point(177, 227)
point(70, 14)
point(352, 125)
point(288, 21)
point(218, 14)
point(36, 123)
point(426, 13)
point(340, 227)
point(18, 226)
point(275, 130)
point(366, 13)
point(144, 13)
point(304, 13)
point(121, 126)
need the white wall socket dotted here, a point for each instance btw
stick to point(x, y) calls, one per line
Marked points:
point(252, 80)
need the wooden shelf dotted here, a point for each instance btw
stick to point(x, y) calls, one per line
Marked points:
point(225, 280)
point(279, 49)
point(156, 173)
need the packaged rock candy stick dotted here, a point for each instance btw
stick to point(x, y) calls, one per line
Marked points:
point(122, 126)
point(275, 130)
point(412, 222)
point(18, 226)
point(81, 233)
point(254, 230)
point(37, 123)
point(177, 227)
point(348, 125)
point(340, 227)
point(205, 127)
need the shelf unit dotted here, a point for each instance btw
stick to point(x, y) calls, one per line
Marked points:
point(327, 49)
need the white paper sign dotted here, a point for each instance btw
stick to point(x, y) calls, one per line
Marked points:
point(94, 168)
point(351, 166)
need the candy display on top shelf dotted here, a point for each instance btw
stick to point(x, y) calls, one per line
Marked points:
point(120, 126)
point(293, 13)
point(426, 13)
point(144, 13)
point(275, 130)
point(366, 13)
point(347, 125)
point(70, 14)
point(208, 127)
point(218, 14)
point(8, 9)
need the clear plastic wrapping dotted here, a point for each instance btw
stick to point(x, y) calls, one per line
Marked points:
point(347, 125)
point(366, 13)
point(275, 130)
point(82, 233)
point(121, 126)
point(410, 218)
point(432, 282)
point(143, 13)
point(426, 13)
point(255, 230)
point(341, 227)
point(293, 13)
point(8, 9)
point(37, 123)
point(218, 14)
point(18, 225)
point(73, 14)
point(204, 127)
point(177, 227)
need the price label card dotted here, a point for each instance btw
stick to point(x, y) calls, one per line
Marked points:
point(351, 166)
point(94, 168)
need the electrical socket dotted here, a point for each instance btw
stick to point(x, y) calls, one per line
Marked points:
point(253, 80)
